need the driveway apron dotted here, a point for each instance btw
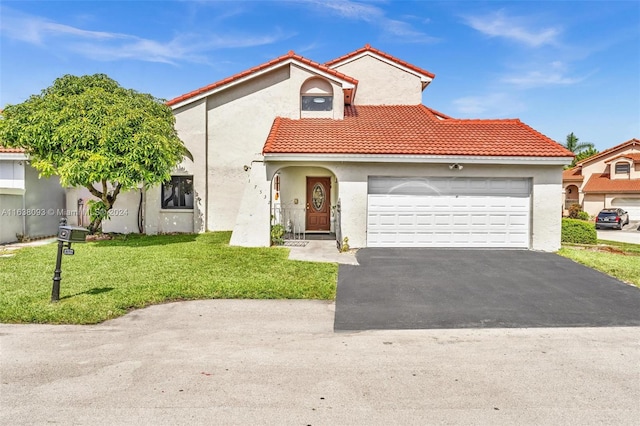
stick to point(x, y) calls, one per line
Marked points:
point(465, 288)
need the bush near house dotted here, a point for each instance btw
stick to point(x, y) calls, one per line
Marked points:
point(578, 232)
point(582, 215)
point(574, 209)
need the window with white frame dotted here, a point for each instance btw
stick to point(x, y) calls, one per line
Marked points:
point(622, 168)
point(177, 193)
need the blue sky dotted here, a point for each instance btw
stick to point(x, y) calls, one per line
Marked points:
point(560, 66)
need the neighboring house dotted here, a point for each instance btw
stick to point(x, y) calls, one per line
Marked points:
point(608, 179)
point(29, 206)
point(291, 139)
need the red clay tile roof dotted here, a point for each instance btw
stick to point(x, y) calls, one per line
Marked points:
point(283, 58)
point(11, 150)
point(574, 174)
point(368, 48)
point(630, 142)
point(407, 130)
point(602, 183)
point(634, 156)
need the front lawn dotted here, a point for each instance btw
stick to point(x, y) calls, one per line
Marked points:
point(106, 279)
point(620, 260)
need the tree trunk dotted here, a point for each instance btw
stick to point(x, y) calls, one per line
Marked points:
point(107, 199)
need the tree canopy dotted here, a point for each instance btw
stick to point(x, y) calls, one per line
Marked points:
point(92, 132)
point(581, 149)
point(574, 145)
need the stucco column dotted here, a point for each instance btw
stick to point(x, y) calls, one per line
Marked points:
point(252, 228)
point(353, 202)
point(547, 217)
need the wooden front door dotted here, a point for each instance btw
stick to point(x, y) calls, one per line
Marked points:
point(318, 204)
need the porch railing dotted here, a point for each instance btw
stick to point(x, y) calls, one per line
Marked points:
point(292, 218)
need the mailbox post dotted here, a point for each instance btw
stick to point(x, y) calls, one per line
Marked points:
point(66, 236)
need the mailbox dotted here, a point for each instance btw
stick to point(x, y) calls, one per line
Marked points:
point(72, 234)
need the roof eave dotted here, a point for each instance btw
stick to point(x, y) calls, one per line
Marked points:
point(404, 158)
point(13, 156)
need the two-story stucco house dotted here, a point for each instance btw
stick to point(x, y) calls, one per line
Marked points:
point(29, 205)
point(290, 140)
point(610, 178)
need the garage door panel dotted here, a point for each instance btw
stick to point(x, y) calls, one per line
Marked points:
point(444, 213)
point(630, 205)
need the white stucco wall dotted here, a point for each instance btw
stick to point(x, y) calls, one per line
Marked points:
point(252, 226)
point(191, 125)
point(380, 83)
point(238, 122)
point(546, 197)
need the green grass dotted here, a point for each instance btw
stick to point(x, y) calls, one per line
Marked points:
point(107, 279)
point(624, 266)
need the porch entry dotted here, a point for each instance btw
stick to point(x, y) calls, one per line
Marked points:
point(318, 206)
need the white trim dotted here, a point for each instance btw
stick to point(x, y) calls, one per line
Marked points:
point(377, 158)
point(345, 84)
point(12, 191)
point(423, 77)
point(13, 156)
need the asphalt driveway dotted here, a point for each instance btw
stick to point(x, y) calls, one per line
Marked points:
point(451, 288)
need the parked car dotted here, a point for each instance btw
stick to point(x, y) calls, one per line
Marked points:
point(612, 218)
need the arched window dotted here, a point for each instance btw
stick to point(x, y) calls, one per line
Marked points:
point(622, 167)
point(316, 94)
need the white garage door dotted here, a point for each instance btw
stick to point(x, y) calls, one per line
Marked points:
point(448, 212)
point(631, 205)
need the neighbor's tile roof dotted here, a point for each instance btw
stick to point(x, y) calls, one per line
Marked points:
point(635, 157)
point(602, 183)
point(283, 58)
point(407, 130)
point(574, 174)
point(11, 150)
point(629, 143)
point(368, 48)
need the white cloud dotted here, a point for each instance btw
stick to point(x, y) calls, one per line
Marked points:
point(375, 16)
point(554, 74)
point(498, 24)
point(108, 46)
point(491, 105)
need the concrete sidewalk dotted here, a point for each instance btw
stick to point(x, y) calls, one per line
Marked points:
point(322, 251)
point(238, 362)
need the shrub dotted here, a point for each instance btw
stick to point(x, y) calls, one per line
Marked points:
point(583, 216)
point(277, 231)
point(574, 210)
point(578, 232)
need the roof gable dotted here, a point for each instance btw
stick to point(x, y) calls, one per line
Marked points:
point(290, 58)
point(611, 151)
point(633, 157)
point(367, 50)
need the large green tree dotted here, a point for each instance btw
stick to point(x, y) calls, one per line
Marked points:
point(92, 132)
point(581, 149)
